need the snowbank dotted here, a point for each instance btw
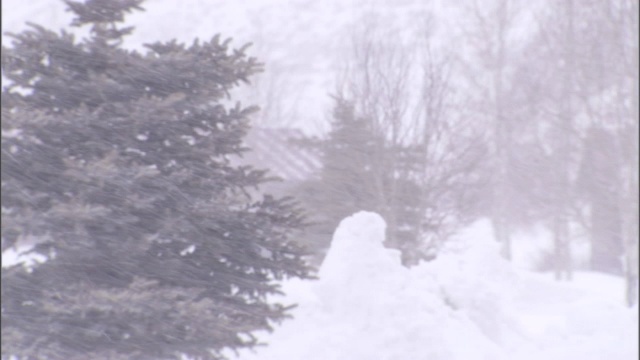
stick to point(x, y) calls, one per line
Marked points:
point(468, 304)
point(21, 255)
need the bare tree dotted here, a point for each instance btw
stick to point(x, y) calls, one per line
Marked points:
point(562, 148)
point(487, 68)
point(584, 51)
point(375, 78)
point(451, 149)
point(632, 213)
point(427, 146)
point(609, 97)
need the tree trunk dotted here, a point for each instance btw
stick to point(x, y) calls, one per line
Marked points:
point(502, 141)
point(632, 216)
point(562, 239)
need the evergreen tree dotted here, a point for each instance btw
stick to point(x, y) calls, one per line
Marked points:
point(117, 161)
point(357, 175)
point(345, 183)
point(348, 159)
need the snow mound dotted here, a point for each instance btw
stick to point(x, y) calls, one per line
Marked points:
point(468, 304)
point(21, 255)
point(358, 269)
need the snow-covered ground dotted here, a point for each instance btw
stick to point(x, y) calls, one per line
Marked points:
point(468, 304)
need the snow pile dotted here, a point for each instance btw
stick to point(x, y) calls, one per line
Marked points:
point(468, 304)
point(21, 255)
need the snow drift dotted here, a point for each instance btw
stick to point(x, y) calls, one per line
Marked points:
point(467, 304)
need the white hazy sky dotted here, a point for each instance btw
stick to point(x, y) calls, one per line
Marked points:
point(301, 41)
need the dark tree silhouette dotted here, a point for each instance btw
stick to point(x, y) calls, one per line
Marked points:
point(118, 163)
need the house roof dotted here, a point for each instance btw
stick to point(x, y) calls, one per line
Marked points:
point(279, 150)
